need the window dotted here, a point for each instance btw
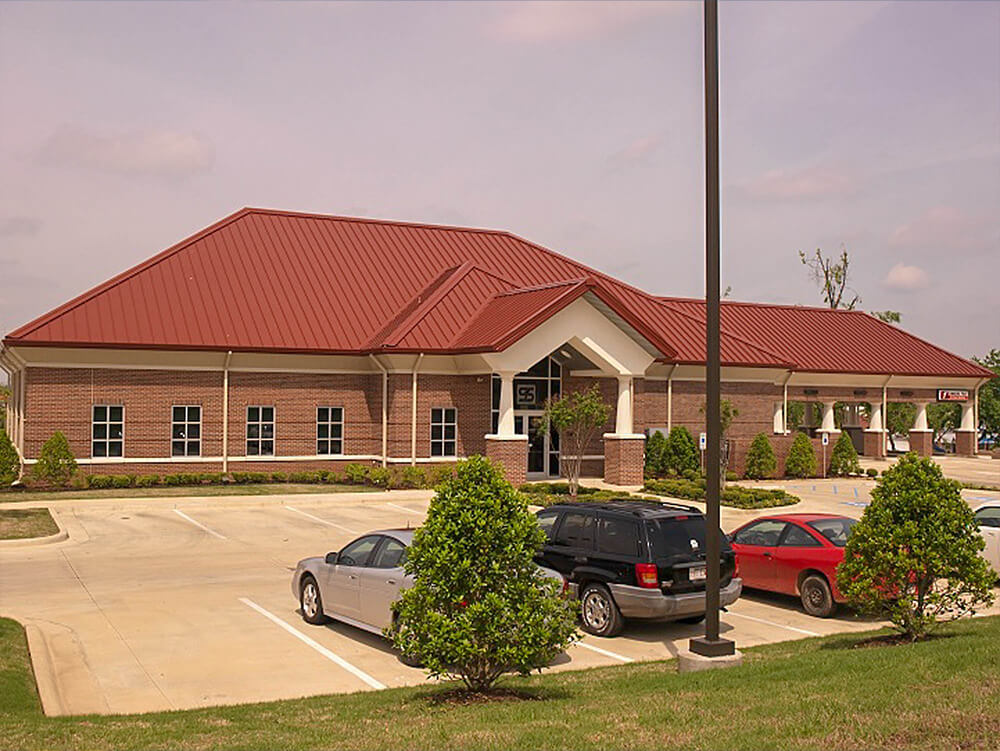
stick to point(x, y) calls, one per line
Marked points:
point(678, 535)
point(764, 533)
point(577, 531)
point(547, 521)
point(444, 427)
point(107, 431)
point(392, 554)
point(988, 516)
point(260, 431)
point(185, 431)
point(835, 530)
point(618, 537)
point(796, 537)
point(358, 552)
point(329, 430)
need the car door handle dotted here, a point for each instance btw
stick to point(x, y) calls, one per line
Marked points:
point(390, 581)
point(579, 559)
point(767, 555)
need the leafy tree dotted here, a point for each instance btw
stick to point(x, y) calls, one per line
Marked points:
point(56, 464)
point(10, 462)
point(832, 276)
point(727, 413)
point(578, 416)
point(4, 400)
point(796, 415)
point(914, 556)
point(760, 462)
point(844, 460)
point(989, 398)
point(801, 461)
point(942, 417)
point(888, 316)
point(656, 446)
point(479, 607)
point(681, 452)
point(899, 417)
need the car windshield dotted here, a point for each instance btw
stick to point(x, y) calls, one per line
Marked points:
point(988, 516)
point(835, 530)
point(681, 535)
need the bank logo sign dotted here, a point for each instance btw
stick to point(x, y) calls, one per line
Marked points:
point(526, 395)
point(953, 395)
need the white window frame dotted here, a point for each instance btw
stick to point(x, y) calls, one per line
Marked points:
point(329, 423)
point(187, 423)
point(443, 441)
point(107, 423)
point(260, 423)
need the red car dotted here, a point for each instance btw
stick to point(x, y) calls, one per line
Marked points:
point(795, 554)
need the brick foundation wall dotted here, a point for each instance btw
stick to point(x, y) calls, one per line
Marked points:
point(965, 442)
point(512, 456)
point(873, 445)
point(921, 441)
point(623, 460)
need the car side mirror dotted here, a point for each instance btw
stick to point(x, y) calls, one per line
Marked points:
point(331, 558)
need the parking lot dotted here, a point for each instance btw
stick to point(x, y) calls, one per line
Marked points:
point(177, 603)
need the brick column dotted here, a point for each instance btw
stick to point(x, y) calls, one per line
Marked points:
point(511, 453)
point(921, 442)
point(873, 444)
point(624, 458)
point(965, 435)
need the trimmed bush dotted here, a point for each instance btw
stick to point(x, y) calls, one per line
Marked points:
point(656, 446)
point(56, 464)
point(10, 462)
point(553, 488)
point(733, 495)
point(356, 474)
point(304, 477)
point(680, 453)
point(801, 461)
point(279, 477)
point(335, 478)
point(410, 477)
point(99, 482)
point(872, 472)
point(123, 481)
point(844, 459)
point(147, 481)
point(760, 462)
point(440, 474)
point(213, 478)
point(245, 478)
point(379, 477)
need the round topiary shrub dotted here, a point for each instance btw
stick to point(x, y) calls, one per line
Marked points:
point(760, 461)
point(10, 462)
point(56, 464)
point(801, 461)
point(656, 446)
point(844, 460)
point(681, 452)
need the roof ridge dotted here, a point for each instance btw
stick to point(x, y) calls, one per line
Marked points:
point(371, 220)
point(547, 285)
point(754, 304)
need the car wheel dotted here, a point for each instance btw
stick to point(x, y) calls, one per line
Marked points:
point(311, 602)
point(817, 599)
point(599, 613)
point(692, 619)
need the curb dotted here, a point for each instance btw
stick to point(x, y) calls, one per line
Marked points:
point(42, 665)
point(25, 542)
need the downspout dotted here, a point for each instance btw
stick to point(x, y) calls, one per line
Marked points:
point(784, 405)
point(225, 412)
point(385, 409)
point(413, 416)
point(22, 382)
point(670, 398)
point(885, 417)
point(975, 413)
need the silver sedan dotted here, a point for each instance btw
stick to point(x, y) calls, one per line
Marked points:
point(359, 584)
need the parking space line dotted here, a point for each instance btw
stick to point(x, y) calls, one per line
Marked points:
point(772, 623)
point(198, 524)
point(403, 508)
point(315, 645)
point(322, 521)
point(604, 652)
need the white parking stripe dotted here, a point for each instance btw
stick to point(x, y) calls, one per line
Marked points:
point(604, 652)
point(403, 508)
point(198, 524)
point(321, 521)
point(772, 623)
point(315, 645)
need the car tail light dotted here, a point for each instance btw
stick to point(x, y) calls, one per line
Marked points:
point(736, 567)
point(646, 575)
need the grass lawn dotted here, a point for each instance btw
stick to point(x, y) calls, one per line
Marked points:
point(17, 524)
point(819, 693)
point(186, 491)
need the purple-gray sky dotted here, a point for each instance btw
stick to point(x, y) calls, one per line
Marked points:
point(126, 127)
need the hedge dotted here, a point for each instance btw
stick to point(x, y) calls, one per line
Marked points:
point(733, 495)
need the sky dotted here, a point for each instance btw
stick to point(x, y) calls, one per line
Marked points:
point(125, 127)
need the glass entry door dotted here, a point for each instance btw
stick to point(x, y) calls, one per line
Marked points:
point(543, 457)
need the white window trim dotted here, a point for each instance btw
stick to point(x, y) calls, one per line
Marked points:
point(108, 423)
point(201, 434)
point(274, 432)
point(443, 440)
point(342, 439)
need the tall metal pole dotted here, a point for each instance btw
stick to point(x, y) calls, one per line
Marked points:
point(710, 645)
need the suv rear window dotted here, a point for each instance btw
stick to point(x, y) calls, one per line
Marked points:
point(577, 531)
point(676, 536)
point(618, 537)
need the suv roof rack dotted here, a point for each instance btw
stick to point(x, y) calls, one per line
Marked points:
point(637, 507)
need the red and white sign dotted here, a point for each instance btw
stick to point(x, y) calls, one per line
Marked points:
point(953, 395)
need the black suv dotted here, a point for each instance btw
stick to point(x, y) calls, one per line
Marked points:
point(633, 559)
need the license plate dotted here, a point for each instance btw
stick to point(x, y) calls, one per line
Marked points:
point(696, 574)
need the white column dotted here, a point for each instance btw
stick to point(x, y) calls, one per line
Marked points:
point(623, 414)
point(968, 416)
point(875, 421)
point(505, 426)
point(829, 425)
point(778, 423)
point(920, 421)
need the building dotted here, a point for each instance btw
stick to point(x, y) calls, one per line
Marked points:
point(278, 341)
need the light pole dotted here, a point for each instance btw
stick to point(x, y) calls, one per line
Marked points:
point(710, 645)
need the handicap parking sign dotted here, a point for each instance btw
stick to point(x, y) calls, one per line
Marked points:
point(826, 439)
point(702, 440)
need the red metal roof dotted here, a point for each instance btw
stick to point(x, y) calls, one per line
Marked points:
point(278, 281)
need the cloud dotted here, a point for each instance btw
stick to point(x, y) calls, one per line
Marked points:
point(906, 278)
point(941, 226)
point(19, 225)
point(549, 21)
point(804, 183)
point(154, 153)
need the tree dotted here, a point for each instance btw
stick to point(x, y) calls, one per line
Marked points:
point(578, 416)
point(656, 446)
point(10, 462)
point(914, 556)
point(680, 454)
point(989, 398)
point(479, 606)
point(844, 460)
point(832, 277)
point(942, 417)
point(899, 417)
point(56, 465)
point(727, 413)
point(760, 462)
point(4, 400)
point(801, 461)
point(888, 316)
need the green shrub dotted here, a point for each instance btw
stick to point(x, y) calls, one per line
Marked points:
point(123, 481)
point(335, 478)
point(733, 495)
point(656, 446)
point(844, 459)
point(410, 477)
point(356, 474)
point(439, 474)
point(212, 478)
point(304, 477)
point(554, 488)
point(914, 557)
point(10, 462)
point(147, 481)
point(279, 477)
point(100, 481)
point(174, 479)
point(56, 464)
point(680, 453)
point(871, 472)
point(479, 607)
point(378, 477)
point(760, 462)
point(801, 461)
point(245, 478)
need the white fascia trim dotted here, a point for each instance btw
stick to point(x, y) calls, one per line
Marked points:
point(214, 459)
point(424, 459)
point(625, 436)
point(585, 457)
point(313, 458)
point(494, 437)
